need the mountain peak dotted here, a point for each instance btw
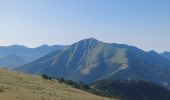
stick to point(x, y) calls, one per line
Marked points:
point(44, 46)
point(89, 40)
point(153, 52)
point(165, 52)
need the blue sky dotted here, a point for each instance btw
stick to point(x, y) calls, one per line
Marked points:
point(142, 23)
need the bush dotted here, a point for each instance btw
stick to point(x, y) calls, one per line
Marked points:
point(61, 80)
point(44, 76)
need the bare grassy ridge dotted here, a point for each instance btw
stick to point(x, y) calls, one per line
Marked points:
point(19, 86)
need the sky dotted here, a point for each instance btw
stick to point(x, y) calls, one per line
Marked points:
point(141, 23)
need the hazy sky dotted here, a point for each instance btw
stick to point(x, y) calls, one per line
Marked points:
point(142, 23)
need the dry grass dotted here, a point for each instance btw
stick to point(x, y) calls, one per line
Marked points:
point(19, 86)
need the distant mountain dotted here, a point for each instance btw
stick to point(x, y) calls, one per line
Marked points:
point(17, 55)
point(131, 90)
point(11, 61)
point(166, 55)
point(90, 60)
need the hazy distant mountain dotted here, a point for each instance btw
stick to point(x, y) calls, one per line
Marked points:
point(90, 60)
point(17, 55)
point(166, 54)
point(11, 61)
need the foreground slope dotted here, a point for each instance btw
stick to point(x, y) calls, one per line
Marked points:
point(90, 60)
point(17, 86)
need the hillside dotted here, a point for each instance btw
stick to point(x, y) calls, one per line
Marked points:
point(19, 86)
point(90, 60)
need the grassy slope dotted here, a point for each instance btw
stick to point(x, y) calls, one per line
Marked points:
point(19, 86)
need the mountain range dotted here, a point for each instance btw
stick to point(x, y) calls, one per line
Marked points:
point(17, 55)
point(90, 60)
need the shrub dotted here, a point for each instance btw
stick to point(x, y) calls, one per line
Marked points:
point(44, 76)
point(61, 80)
